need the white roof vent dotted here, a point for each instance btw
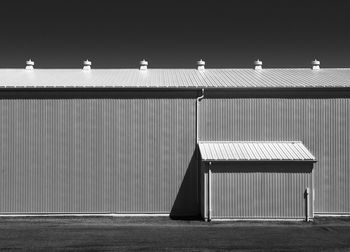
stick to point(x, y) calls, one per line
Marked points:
point(29, 65)
point(315, 64)
point(257, 64)
point(201, 64)
point(87, 65)
point(143, 64)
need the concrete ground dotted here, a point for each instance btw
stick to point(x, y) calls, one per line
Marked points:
point(161, 233)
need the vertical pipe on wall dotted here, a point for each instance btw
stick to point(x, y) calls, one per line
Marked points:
point(197, 139)
point(313, 193)
point(197, 114)
point(209, 192)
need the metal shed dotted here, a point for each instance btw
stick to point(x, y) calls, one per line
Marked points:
point(125, 141)
point(256, 180)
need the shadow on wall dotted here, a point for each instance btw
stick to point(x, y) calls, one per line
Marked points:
point(186, 204)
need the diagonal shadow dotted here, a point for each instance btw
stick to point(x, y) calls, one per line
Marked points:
point(186, 204)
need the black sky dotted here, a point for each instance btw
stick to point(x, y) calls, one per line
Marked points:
point(113, 34)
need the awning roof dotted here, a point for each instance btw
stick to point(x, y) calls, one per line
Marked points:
point(254, 151)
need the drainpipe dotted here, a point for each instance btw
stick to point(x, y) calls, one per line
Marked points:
point(209, 192)
point(198, 158)
point(197, 114)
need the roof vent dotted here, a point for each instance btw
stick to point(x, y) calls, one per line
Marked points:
point(29, 65)
point(201, 64)
point(87, 65)
point(257, 64)
point(143, 64)
point(315, 64)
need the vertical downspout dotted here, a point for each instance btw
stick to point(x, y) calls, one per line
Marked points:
point(209, 192)
point(313, 193)
point(197, 115)
point(198, 154)
point(307, 192)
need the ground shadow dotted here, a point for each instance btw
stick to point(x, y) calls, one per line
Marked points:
point(186, 204)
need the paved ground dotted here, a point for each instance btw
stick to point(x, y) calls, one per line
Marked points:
point(118, 234)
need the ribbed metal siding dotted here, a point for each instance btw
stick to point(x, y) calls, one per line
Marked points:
point(259, 194)
point(323, 125)
point(124, 156)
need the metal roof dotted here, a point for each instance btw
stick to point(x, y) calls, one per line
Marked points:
point(254, 151)
point(175, 78)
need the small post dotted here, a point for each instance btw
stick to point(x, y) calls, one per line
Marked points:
point(306, 196)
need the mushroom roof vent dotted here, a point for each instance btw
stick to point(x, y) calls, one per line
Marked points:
point(315, 64)
point(258, 64)
point(201, 64)
point(87, 65)
point(143, 64)
point(29, 65)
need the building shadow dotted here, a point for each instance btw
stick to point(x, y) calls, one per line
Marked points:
point(186, 204)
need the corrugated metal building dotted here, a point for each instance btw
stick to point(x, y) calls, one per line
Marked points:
point(243, 143)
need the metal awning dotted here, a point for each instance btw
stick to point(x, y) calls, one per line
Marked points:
point(254, 151)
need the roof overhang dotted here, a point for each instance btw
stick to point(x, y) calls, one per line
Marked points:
point(256, 151)
point(175, 78)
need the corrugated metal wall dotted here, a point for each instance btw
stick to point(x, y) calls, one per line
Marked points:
point(98, 155)
point(321, 124)
point(260, 190)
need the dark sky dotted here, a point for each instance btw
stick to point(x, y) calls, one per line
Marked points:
point(61, 34)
